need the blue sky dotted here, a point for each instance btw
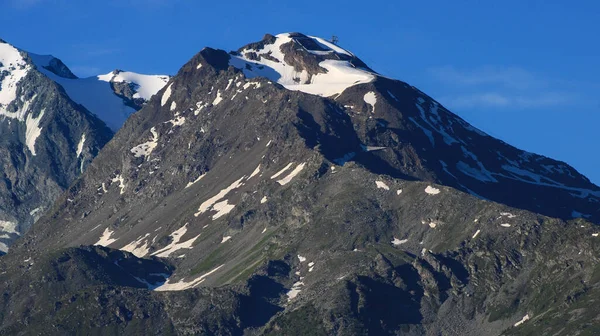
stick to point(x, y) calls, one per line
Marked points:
point(524, 71)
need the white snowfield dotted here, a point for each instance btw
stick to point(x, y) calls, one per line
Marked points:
point(340, 74)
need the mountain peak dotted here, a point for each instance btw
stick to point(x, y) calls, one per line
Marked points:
point(302, 63)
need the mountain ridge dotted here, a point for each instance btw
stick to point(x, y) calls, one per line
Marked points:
point(347, 214)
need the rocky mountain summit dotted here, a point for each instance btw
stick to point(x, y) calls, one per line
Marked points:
point(52, 124)
point(288, 189)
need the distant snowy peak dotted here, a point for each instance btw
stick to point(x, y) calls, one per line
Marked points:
point(145, 86)
point(302, 63)
point(111, 97)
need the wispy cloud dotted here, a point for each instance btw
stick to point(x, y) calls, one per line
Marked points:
point(508, 77)
point(501, 87)
point(496, 99)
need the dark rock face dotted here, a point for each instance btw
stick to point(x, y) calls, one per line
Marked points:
point(57, 67)
point(37, 168)
point(127, 91)
point(277, 212)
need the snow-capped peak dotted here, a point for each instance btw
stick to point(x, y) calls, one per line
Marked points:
point(302, 63)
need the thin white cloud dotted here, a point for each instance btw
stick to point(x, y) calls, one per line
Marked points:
point(508, 77)
point(503, 100)
point(501, 87)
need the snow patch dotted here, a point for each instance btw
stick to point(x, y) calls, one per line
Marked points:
point(296, 289)
point(225, 239)
point(166, 95)
point(222, 208)
point(292, 174)
point(196, 180)
point(255, 172)
point(121, 181)
point(179, 121)
point(505, 225)
point(508, 214)
point(139, 247)
point(105, 238)
point(525, 318)
point(282, 171)
point(476, 233)
point(371, 99)
point(263, 200)
point(199, 107)
point(33, 130)
point(432, 191)
point(382, 185)
point(80, 145)
point(397, 241)
point(183, 285)
point(210, 203)
point(8, 227)
point(218, 98)
point(175, 243)
point(146, 148)
point(301, 258)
